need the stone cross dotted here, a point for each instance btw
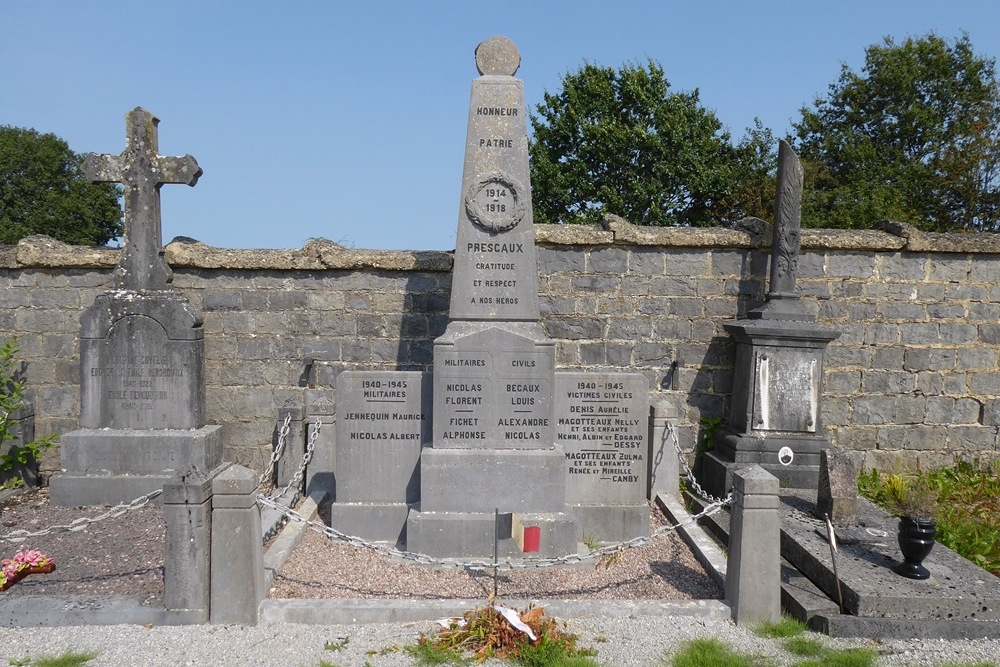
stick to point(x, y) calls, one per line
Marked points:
point(142, 171)
point(782, 296)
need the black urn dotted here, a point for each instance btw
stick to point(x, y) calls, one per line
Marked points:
point(916, 539)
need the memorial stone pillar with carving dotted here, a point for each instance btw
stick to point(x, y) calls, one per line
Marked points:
point(142, 356)
point(775, 417)
point(493, 444)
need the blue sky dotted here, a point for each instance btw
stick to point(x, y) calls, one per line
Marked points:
point(347, 120)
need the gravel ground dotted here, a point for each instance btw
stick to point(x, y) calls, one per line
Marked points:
point(620, 642)
point(663, 570)
point(133, 566)
point(120, 556)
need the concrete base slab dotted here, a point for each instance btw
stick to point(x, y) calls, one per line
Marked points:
point(956, 590)
point(896, 628)
point(374, 522)
point(140, 452)
point(111, 466)
point(612, 523)
point(717, 473)
point(68, 490)
point(326, 612)
point(470, 534)
point(26, 611)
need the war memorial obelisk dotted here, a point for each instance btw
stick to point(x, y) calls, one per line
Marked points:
point(493, 445)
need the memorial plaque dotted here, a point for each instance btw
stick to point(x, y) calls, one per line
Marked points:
point(383, 420)
point(602, 425)
point(493, 388)
point(138, 378)
point(786, 391)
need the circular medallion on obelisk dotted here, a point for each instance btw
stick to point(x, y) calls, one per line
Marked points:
point(497, 55)
point(496, 203)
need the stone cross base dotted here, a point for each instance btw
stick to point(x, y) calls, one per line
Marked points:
point(107, 467)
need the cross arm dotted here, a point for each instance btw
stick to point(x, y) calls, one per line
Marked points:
point(102, 168)
point(183, 170)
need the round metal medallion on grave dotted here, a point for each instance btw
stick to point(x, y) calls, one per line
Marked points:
point(496, 202)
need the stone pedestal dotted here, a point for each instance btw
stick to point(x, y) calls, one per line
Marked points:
point(775, 417)
point(237, 585)
point(493, 444)
point(187, 558)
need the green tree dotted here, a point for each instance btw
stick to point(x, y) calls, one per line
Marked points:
point(42, 191)
point(622, 142)
point(915, 136)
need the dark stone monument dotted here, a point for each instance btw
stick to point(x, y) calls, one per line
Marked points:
point(837, 495)
point(142, 389)
point(775, 417)
point(493, 444)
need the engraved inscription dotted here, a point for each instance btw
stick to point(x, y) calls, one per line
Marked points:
point(497, 202)
point(601, 422)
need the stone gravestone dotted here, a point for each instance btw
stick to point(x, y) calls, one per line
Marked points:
point(383, 421)
point(775, 417)
point(142, 389)
point(494, 440)
point(602, 422)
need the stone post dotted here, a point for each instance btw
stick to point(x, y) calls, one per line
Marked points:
point(237, 554)
point(753, 582)
point(321, 408)
point(664, 467)
point(294, 442)
point(187, 562)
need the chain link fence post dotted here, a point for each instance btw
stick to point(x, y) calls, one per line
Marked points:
point(664, 466)
point(237, 560)
point(753, 569)
point(320, 478)
point(294, 441)
point(187, 549)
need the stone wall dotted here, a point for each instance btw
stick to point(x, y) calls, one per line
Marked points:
point(912, 380)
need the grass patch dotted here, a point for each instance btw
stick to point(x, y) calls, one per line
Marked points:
point(711, 652)
point(805, 647)
point(968, 507)
point(427, 653)
point(68, 659)
point(848, 657)
point(786, 627)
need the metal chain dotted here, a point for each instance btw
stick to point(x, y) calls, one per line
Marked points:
point(689, 474)
point(306, 458)
point(278, 450)
point(83, 522)
point(423, 559)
